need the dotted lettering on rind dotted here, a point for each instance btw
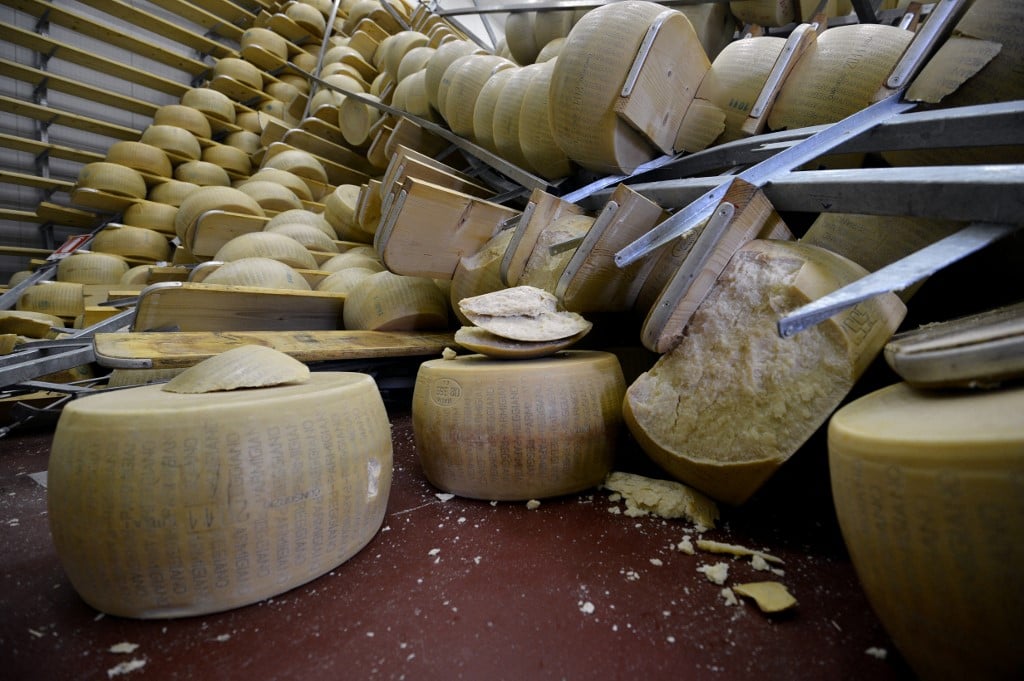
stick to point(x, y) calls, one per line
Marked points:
point(446, 392)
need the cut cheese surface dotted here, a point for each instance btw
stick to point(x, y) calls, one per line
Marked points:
point(272, 487)
point(518, 430)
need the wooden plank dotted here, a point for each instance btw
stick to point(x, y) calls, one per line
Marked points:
point(37, 148)
point(16, 215)
point(65, 52)
point(541, 210)
point(77, 88)
point(212, 307)
point(59, 117)
point(214, 228)
point(318, 146)
point(184, 349)
point(25, 251)
point(111, 35)
point(66, 216)
point(27, 180)
point(226, 19)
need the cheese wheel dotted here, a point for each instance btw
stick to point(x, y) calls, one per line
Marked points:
point(132, 242)
point(385, 301)
point(181, 116)
point(507, 112)
point(213, 103)
point(58, 298)
point(411, 95)
point(393, 49)
point(18, 277)
point(138, 275)
point(301, 163)
point(736, 78)
point(178, 143)
point(202, 173)
point(838, 75)
point(355, 119)
point(550, 51)
point(266, 39)
point(304, 217)
point(309, 492)
point(309, 236)
point(233, 159)
point(308, 17)
point(172, 192)
point(348, 259)
point(536, 138)
point(440, 61)
point(340, 211)
point(414, 60)
point(267, 245)
point(518, 430)
point(520, 37)
point(550, 26)
point(927, 490)
point(270, 195)
point(461, 84)
point(144, 158)
point(588, 79)
point(281, 90)
point(249, 121)
point(258, 272)
point(91, 268)
point(212, 198)
point(286, 178)
point(240, 70)
point(733, 400)
point(151, 215)
point(483, 111)
point(343, 281)
point(480, 272)
point(543, 269)
point(29, 323)
point(112, 178)
point(765, 12)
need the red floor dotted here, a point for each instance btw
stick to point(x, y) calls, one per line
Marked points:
point(467, 589)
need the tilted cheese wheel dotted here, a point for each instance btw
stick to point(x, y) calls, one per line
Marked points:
point(909, 467)
point(286, 178)
point(270, 195)
point(308, 17)
point(303, 217)
point(344, 280)
point(249, 121)
point(736, 77)
point(151, 215)
point(411, 95)
point(535, 135)
point(144, 158)
point(267, 245)
point(340, 210)
point(172, 192)
point(178, 143)
point(309, 236)
point(483, 111)
point(765, 12)
point(233, 159)
point(520, 37)
point(266, 39)
point(92, 268)
point(298, 162)
point(240, 70)
point(549, 26)
point(259, 273)
point(212, 198)
point(517, 430)
point(18, 277)
point(461, 84)
point(507, 113)
point(394, 48)
point(305, 473)
point(352, 259)
point(29, 323)
point(132, 242)
point(733, 400)
point(138, 275)
point(355, 119)
point(202, 173)
point(550, 51)
point(439, 62)
point(385, 301)
point(112, 178)
point(211, 102)
point(181, 116)
point(414, 60)
point(247, 366)
point(838, 75)
point(58, 298)
point(243, 140)
point(282, 90)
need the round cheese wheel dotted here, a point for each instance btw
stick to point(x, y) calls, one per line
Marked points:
point(138, 275)
point(258, 272)
point(344, 280)
point(353, 258)
point(507, 112)
point(249, 121)
point(112, 178)
point(441, 60)
point(304, 217)
point(303, 477)
point(178, 143)
point(298, 162)
point(736, 77)
point(266, 39)
point(550, 51)
point(202, 173)
point(285, 178)
point(132, 242)
point(355, 119)
point(385, 301)
point(240, 70)
point(414, 60)
point(340, 211)
point(393, 49)
point(486, 103)
point(212, 198)
point(144, 158)
point(518, 430)
point(309, 236)
point(151, 215)
point(213, 103)
point(171, 192)
point(765, 12)
point(270, 195)
point(58, 298)
point(535, 134)
point(460, 85)
point(733, 400)
point(520, 37)
point(411, 95)
point(233, 159)
point(267, 245)
point(308, 17)
point(181, 116)
point(927, 490)
point(92, 268)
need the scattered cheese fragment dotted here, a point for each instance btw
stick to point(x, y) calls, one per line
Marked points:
point(769, 596)
point(717, 573)
point(729, 596)
point(686, 546)
point(663, 498)
point(532, 504)
point(248, 366)
point(124, 647)
point(448, 353)
point(735, 549)
point(877, 653)
point(445, 496)
point(125, 667)
point(587, 608)
point(656, 562)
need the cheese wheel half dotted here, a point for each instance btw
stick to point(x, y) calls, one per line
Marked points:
point(518, 429)
point(274, 487)
point(733, 400)
point(927, 489)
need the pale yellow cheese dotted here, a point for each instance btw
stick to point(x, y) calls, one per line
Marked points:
point(272, 488)
point(91, 268)
point(385, 301)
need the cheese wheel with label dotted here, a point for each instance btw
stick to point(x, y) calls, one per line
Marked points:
point(517, 430)
point(733, 400)
point(273, 487)
point(929, 492)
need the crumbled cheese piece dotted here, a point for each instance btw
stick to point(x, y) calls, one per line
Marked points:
point(769, 596)
point(735, 549)
point(532, 504)
point(123, 647)
point(615, 497)
point(444, 496)
point(614, 510)
point(759, 563)
point(587, 608)
point(717, 573)
point(656, 562)
point(877, 653)
point(729, 596)
point(686, 546)
point(663, 498)
point(125, 667)
point(448, 353)
point(433, 552)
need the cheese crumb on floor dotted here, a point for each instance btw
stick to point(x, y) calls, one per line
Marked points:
point(126, 667)
point(587, 608)
point(532, 505)
point(123, 647)
point(729, 597)
point(664, 498)
point(717, 573)
point(686, 546)
point(444, 496)
point(877, 653)
point(736, 550)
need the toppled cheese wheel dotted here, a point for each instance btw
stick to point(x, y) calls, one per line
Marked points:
point(733, 400)
point(258, 272)
point(167, 505)
point(59, 298)
point(927, 490)
point(475, 339)
point(248, 366)
point(769, 596)
point(91, 268)
point(384, 301)
point(663, 498)
point(492, 429)
point(523, 313)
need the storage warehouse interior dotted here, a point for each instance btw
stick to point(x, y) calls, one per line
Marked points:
point(474, 339)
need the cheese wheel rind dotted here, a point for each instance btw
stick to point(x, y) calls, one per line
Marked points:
point(164, 505)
